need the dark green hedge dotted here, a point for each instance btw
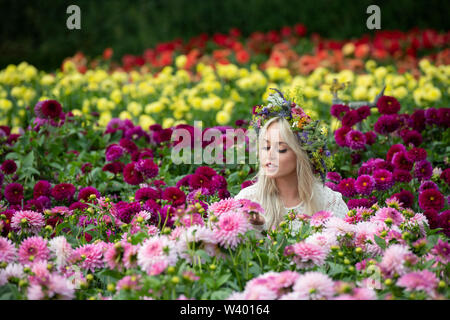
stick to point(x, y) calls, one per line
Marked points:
point(35, 31)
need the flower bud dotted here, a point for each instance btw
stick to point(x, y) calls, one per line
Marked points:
point(340, 254)
point(171, 270)
point(383, 234)
point(89, 277)
point(346, 261)
point(388, 221)
point(23, 220)
point(140, 219)
point(92, 196)
point(48, 228)
point(388, 282)
point(175, 280)
point(212, 267)
point(358, 250)
point(111, 287)
point(31, 258)
point(442, 284)
point(351, 268)
point(23, 283)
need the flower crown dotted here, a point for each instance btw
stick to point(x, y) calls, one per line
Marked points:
point(312, 139)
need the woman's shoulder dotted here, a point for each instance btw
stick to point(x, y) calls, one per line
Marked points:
point(247, 193)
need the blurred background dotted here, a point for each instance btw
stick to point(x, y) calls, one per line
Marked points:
point(35, 31)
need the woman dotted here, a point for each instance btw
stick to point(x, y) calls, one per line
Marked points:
point(291, 150)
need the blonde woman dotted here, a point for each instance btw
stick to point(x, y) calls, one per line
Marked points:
point(291, 152)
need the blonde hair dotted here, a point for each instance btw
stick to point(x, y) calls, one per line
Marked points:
point(266, 189)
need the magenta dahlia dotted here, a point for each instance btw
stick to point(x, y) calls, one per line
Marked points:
point(416, 154)
point(401, 175)
point(132, 175)
point(393, 150)
point(383, 179)
point(41, 188)
point(431, 199)
point(340, 136)
point(147, 168)
point(386, 124)
point(174, 195)
point(423, 170)
point(339, 110)
point(63, 191)
point(355, 140)
point(85, 193)
point(364, 184)
point(388, 105)
point(347, 187)
point(400, 161)
point(14, 193)
point(9, 166)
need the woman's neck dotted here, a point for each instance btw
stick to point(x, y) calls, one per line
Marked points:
point(287, 188)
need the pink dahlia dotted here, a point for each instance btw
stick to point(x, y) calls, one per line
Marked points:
point(395, 258)
point(320, 217)
point(308, 255)
point(129, 283)
point(314, 286)
point(424, 280)
point(405, 197)
point(338, 226)
point(27, 221)
point(351, 118)
point(61, 250)
point(230, 228)
point(33, 249)
point(90, 256)
point(217, 208)
point(391, 213)
point(156, 250)
point(7, 250)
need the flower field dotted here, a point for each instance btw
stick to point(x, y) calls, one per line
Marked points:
point(93, 207)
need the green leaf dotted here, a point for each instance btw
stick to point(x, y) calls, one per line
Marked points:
point(380, 242)
point(28, 160)
point(220, 295)
point(222, 279)
point(335, 269)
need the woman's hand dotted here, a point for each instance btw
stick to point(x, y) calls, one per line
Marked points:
point(256, 219)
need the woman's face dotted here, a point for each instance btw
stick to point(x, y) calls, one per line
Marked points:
point(277, 158)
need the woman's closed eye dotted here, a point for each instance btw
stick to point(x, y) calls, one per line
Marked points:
point(280, 151)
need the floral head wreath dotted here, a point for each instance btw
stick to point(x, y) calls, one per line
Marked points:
point(311, 138)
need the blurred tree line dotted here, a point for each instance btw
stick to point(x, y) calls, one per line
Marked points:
point(36, 32)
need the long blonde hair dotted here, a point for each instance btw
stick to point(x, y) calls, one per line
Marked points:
point(266, 189)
